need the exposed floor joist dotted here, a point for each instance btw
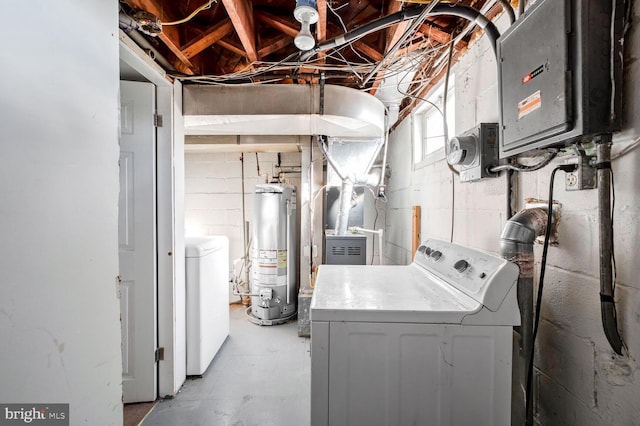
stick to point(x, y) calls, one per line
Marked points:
point(212, 36)
point(241, 14)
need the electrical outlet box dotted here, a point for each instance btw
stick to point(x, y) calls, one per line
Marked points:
point(475, 152)
point(584, 177)
point(556, 65)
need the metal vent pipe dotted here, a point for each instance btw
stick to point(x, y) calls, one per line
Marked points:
point(516, 245)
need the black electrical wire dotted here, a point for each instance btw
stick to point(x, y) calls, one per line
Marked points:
point(613, 255)
point(545, 249)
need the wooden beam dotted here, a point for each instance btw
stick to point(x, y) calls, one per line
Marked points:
point(232, 47)
point(241, 14)
point(394, 32)
point(415, 229)
point(370, 51)
point(360, 45)
point(321, 25)
point(365, 16)
point(273, 45)
point(434, 33)
point(214, 34)
point(286, 26)
point(169, 35)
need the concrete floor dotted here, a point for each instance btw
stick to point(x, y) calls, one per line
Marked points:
point(260, 376)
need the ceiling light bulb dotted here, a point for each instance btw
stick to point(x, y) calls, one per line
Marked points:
point(304, 40)
point(305, 13)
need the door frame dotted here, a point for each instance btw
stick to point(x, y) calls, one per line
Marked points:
point(170, 217)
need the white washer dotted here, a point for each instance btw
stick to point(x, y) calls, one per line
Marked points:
point(207, 302)
point(424, 344)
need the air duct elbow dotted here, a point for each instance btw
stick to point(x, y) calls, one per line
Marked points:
point(525, 226)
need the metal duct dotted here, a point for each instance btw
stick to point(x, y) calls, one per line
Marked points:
point(516, 245)
point(281, 110)
point(345, 207)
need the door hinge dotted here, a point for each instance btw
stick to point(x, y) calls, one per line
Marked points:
point(157, 120)
point(159, 354)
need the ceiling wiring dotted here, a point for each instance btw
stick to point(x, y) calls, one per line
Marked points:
point(635, 144)
point(394, 66)
point(344, 27)
point(205, 6)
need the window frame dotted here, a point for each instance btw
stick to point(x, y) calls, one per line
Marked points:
point(419, 121)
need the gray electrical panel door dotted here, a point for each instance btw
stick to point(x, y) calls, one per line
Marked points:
point(559, 75)
point(535, 90)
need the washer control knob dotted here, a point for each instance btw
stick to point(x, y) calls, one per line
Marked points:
point(422, 249)
point(427, 251)
point(436, 255)
point(461, 265)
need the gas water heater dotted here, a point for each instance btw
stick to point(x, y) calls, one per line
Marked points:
point(273, 255)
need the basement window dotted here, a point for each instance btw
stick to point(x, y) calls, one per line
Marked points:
point(428, 128)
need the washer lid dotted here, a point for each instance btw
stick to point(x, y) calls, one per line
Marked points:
point(385, 293)
point(201, 246)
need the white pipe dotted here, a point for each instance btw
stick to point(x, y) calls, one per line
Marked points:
point(386, 145)
point(379, 232)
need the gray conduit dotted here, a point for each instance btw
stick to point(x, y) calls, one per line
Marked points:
point(508, 10)
point(458, 10)
point(516, 245)
point(607, 303)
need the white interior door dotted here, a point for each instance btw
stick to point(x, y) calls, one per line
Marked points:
point(137, 241)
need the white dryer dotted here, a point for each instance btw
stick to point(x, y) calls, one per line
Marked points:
point(425, 344)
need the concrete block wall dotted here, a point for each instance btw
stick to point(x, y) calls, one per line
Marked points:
point(213, 192)
point(579, 380)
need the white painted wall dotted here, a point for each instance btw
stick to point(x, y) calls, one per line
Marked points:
point(59, 311)
point(580, 380)
point(213, 192)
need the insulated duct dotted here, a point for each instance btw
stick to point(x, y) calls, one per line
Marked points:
point(282, 110)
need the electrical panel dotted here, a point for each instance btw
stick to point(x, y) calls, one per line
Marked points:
point(475, 152)
point(559, 75)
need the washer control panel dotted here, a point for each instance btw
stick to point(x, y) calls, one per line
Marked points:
point(481, 275)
